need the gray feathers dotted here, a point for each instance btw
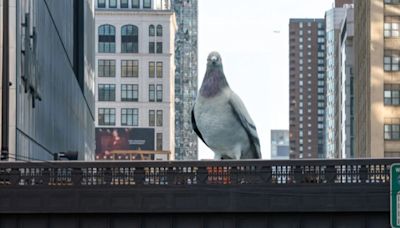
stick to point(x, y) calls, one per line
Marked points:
point(220, 118)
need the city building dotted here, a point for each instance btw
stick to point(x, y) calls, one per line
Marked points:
point(334, 19)
point(307, 87)
point(279, 144)
point(377, 69)
point(135, 82)
point(47, 79)
point(346, 85)
point(186, 74)
point(342, 3)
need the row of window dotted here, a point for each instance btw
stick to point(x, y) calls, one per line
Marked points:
point(320, 24)
point(135, 4)
point(392, 1)
point(129, 68)
point(129, 117)
point(129, 92)
point(129, 39)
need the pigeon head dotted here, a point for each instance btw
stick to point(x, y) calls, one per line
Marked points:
point(214, 80)
point(214, 60)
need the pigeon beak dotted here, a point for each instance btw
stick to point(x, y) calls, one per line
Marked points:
point(214, 59)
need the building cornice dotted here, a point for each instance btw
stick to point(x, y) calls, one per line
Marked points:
point(131, 12)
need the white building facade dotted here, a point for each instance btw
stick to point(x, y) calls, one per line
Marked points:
point(135, 69)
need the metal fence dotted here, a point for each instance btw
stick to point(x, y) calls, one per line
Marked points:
point(242, 172)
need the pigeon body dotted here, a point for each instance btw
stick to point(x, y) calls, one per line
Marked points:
point(220, 118)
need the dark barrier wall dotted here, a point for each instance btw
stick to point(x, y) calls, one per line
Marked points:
point(204, 220)
point(245, 193)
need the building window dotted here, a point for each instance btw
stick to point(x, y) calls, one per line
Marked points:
point(106, 68)
point(135, 4)
point(159, 93)
point(152, 69)
point(159, 69)
point(106, 39)
point(152, 30)
point(391, 27)
point(152, 93)
point(124, 4)
point(159, 141)
point(159, 30)
point(152, 117)
point(130, 68)
point(101, 3)
point(392, 129)
point(159, 47)
point(146, 4)
point(106, 116)
point(129, 39)
point(392, 94)
point(159, 118)
point(106, 92)
point(391, 60)
point(129, 117)
point(129, 92)
point(112, 3)
point(152, 47)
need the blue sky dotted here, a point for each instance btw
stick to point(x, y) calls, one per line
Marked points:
point(252, 38)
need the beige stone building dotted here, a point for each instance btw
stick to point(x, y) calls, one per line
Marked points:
point(377, 78)
point(135, 79)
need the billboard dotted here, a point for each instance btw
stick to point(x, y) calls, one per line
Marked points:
point(124, 143)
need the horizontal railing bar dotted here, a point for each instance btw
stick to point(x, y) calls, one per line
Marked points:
point(101, 164)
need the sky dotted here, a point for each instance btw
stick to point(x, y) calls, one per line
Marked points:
point(252, 38)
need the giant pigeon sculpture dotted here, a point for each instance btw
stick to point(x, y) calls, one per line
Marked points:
point(220, 118)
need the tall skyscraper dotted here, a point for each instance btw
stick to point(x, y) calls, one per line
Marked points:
point(346, 86)
point(186, 75)
point(279, 144)
point(135, 114)
point(307, 87)
point(48, 79)
point(334, 19)
point(377, 72)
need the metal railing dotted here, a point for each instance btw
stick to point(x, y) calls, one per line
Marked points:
point(174, 173)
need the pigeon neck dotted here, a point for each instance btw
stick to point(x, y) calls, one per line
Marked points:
point(213, 83)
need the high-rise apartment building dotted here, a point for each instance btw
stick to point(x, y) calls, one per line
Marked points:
point(135, 83)
point(377, 72)
point(279, 144)
point(307, 87)
point(186, 75)
point(333, 19)
point(48, 78)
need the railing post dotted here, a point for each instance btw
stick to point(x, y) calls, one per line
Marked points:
point(15, 176)
point(76, 176)
point(363, 174)
point(202, 174)
point(266, 174)
point(45, 176)
point(139, 176)
point(330, 174)
point(298, 175)
point(108, 176)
